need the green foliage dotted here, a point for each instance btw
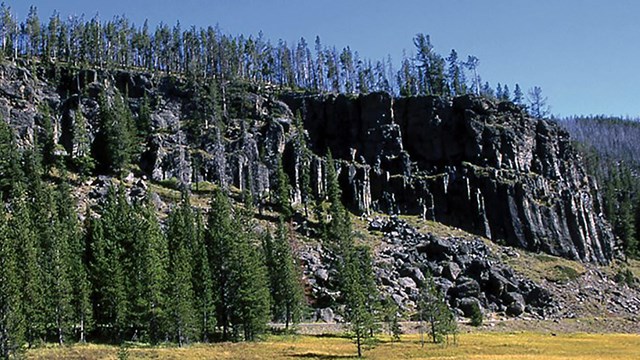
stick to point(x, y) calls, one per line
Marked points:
point(147, 284)
point(285, 277)
point(116, 144)
point(12, 329)
point(625, 276)
point(609, 149)
point(249, 289)
point(58, 266)
point(433, 308)
point(203, 283)
point(306, 193)
point(283, 192)
point(10, 172)
point(106, 238)
point(240, 278)
point(181, 312)
point(219, 240)
point(360, 299)
point(23, 231)
point(391, 317)
point(171, 183)
point(143, 123)
point(431, 78)
point(354, 264)
point(476, 317)
point(45, 139)
point(81, 158)
point(70, 230)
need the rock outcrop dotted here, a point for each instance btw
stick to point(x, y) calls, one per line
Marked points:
point(465, 270)
point(469, 162)
point(486, 167)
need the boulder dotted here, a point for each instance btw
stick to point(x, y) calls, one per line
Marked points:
point(467, 305)
point(451, 270)
point(325, 315)
point(515, 303)
point(407, 284)
point(322, 276)
point(466, 287)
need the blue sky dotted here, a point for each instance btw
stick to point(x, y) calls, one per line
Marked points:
point(585, 54)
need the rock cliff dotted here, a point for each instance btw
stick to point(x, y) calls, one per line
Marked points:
point(486, 167)
point(482, 166)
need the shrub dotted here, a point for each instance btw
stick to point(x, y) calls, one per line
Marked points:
point(476, 315)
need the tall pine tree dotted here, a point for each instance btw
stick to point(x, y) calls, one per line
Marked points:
point(105, 238)
point(11, 311)
point(286, 287)
point(181, 312)
point(31, 276)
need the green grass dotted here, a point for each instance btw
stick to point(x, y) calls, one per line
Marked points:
point(516, 345)
point(542, 266)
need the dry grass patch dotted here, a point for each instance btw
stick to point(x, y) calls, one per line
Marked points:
point(520, 345)
point(542, 266)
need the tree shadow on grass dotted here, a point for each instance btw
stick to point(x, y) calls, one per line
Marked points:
point(312, 355)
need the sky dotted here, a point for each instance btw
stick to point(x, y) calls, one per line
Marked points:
point(584, 54)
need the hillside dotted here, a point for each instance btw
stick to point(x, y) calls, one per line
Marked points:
point(471, 191)
point(483, 166)
point(610, 148)
point(473, 163)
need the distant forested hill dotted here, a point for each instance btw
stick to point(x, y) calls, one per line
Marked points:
point(611, 146)
point(612, 137)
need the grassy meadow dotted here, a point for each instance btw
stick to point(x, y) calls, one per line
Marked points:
point(520, 345)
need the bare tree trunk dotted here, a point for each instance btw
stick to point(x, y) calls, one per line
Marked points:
point(82, 334)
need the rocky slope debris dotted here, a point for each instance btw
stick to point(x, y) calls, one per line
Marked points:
point(465, 270)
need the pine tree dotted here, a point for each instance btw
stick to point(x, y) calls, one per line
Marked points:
point(499, 93)
point(219, 239)
point(337, 232)
point(354, 266)
point(59, 267)
point(506, 94)
point(538, 107)
point(391, 318)
point(306, 192)
point(455, 76)
point(239, 273)
point(155, 263)
point(283, 192)
point(624, 226)
point(105, 239)
point(81, 150)
point(286, 290)
point(249, 300)
point(181, 310)
point(28, 249)
point(356, 295)
point(69, 227)
point(518, 96)
point(116, 143)
point(433, 309)
point(10, 171)
point(203, 283)
point(143, 123)
point(52, 254)
point(11, 311)
point(45, 140)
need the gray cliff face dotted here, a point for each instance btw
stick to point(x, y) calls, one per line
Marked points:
point(482, 166)
point(471, 163)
